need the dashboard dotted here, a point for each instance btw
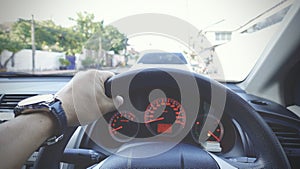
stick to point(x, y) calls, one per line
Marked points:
point(159, 114)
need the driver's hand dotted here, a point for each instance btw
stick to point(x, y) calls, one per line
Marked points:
point(84, 99)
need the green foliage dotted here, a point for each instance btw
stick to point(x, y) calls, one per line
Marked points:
point(10, 43)
point(22, 30)
point(109, 39)
point(113, 40)
point(64, 62)
point(70, 41)
point(3, 42)
point(86, 25)
point(88, 62)
point(48, 36)
point(96, 35)
point(86, 33)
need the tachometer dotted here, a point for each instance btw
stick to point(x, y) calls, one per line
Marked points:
point(165, 116)
point(123, 126)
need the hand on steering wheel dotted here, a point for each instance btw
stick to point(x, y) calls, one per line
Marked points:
point(83, 98)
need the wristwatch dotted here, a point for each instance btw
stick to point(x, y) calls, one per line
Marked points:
point(45, 103)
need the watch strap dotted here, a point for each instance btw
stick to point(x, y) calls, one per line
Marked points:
point(52, 106)
point(61, 121)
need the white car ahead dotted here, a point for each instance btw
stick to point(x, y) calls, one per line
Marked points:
point(162, 60)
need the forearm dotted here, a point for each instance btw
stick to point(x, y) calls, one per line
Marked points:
point(21, 136)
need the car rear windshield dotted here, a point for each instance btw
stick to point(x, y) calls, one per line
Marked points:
point(163, 58)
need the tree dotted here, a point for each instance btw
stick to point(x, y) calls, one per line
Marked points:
point(70, 41)
point(46, 33)
point(10, 44)
point(86, 26)
point(95, 34)
point(49, 36)
point(97, 38)
point(113, 40)
point(18, 37)
point(21, 30)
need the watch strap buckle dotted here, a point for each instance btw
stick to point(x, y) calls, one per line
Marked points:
point(53, 140)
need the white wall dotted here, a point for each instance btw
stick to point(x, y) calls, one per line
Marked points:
point(23, 60)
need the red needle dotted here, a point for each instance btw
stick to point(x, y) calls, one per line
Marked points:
point(126, 121)
point(214, 136)
point(118, 128)
point(158, 119)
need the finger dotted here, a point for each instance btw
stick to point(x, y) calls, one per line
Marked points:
point(118, 101)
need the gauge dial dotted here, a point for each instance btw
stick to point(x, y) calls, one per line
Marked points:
point(165, 116)
point(213, 131)
point(123, 126)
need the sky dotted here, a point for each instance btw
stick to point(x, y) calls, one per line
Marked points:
point(201, 14)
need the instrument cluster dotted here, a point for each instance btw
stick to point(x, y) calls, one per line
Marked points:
point(166, 118)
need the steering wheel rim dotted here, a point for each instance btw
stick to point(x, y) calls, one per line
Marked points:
point(267, 148)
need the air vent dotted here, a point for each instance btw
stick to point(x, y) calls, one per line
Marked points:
point(288, 137)
point(9, 101)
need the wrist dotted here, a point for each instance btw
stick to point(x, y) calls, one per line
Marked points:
point(46, 104)
point(47, 121)
point(42, 123)
point(71, 116)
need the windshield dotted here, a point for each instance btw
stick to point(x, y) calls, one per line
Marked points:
point(222, 39)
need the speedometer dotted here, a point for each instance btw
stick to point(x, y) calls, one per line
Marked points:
point(123, 126)
point(165, 116)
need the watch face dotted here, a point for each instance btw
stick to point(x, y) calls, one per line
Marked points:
point(36, 99)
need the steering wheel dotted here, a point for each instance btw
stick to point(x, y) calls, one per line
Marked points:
point(268, 151)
